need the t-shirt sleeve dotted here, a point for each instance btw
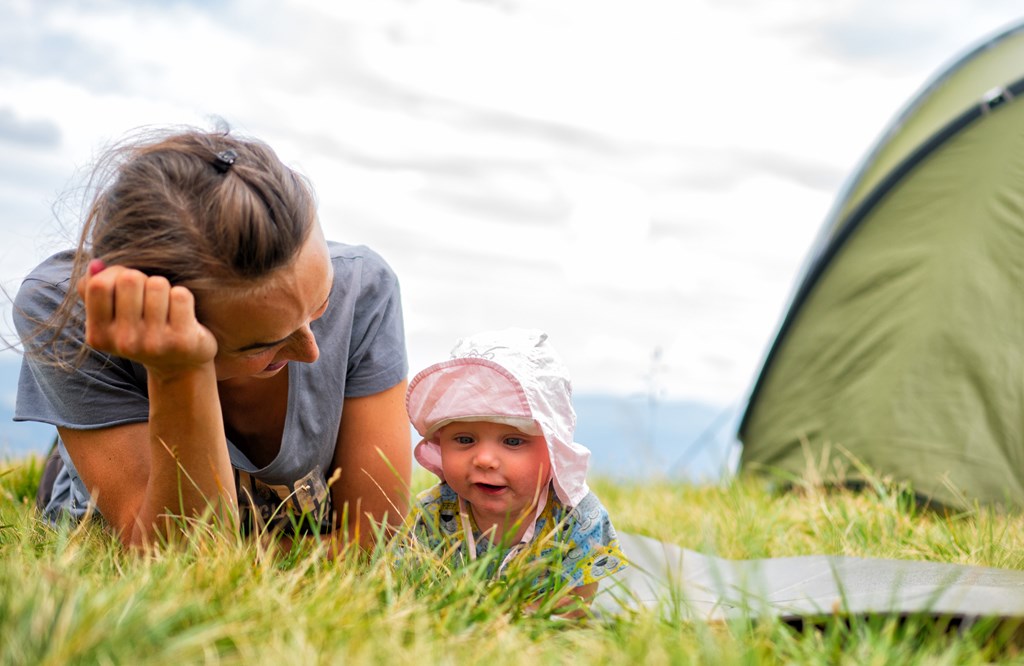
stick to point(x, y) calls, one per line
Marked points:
point(592, 546)
point(377, 358)
point(102, 391)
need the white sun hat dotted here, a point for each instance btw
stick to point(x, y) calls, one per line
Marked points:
point(510, 376)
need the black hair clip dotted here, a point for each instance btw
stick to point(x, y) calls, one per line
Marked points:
point(224, 159)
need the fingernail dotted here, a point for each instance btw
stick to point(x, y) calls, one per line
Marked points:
point(95, 266)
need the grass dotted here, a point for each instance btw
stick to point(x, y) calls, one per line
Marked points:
point(71, 595)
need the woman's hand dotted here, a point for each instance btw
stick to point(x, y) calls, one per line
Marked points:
point(144, 319)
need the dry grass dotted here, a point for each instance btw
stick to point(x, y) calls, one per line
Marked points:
point(72, 596)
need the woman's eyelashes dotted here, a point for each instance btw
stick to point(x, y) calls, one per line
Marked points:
point(258, 353)
point(272, 348)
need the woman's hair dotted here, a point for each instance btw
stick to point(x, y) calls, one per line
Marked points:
point(206, 210)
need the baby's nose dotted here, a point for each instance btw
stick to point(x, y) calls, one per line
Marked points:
point(486, 459)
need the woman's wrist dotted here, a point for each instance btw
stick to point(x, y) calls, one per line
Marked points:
point(173, 374)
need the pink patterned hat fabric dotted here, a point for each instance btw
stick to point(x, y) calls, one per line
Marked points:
point(510, 376)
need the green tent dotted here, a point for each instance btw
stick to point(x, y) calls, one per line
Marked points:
point(904, 339)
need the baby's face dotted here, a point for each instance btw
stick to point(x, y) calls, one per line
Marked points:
point(495, 467)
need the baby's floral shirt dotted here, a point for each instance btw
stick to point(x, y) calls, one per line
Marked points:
point(580, 539)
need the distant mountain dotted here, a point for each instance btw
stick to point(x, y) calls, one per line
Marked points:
point(629, 437)
point(635, 437)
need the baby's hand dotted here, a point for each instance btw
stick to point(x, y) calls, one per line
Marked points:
point(573, 606)
point(144, 319)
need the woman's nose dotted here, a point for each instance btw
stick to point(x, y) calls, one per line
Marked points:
point(303, 347)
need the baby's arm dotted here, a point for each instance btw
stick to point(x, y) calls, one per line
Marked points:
point(579, 600)
point(576, 602)
point(593, 553)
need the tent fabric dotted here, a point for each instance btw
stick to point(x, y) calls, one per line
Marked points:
point(904, 344)
point(692, 586)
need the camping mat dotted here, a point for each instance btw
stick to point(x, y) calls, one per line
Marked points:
point(691, 585)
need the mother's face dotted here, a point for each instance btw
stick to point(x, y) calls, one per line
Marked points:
point(259, 331)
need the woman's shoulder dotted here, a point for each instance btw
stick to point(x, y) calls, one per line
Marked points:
point(343, 252)
point(362, 265)
point(45, 286)
point(54, 270)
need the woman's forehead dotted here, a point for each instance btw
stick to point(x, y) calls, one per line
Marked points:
point(274, 308)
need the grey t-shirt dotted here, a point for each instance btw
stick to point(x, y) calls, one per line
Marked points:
point(362, 352)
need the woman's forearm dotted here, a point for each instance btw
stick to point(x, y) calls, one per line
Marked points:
point(190, 473)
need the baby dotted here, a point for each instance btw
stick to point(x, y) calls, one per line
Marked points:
point(497, 425)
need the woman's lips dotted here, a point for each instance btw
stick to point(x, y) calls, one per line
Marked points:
point(275, 366)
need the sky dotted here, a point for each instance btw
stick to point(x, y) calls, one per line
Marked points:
point(642, 179)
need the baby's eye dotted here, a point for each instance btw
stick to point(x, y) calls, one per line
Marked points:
point(514, 441)
point(463, 439)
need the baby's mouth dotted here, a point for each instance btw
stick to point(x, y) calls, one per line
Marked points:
point(489, 488)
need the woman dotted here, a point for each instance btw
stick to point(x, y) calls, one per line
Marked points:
point(205, 351)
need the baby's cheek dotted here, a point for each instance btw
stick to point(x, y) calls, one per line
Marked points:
point(450, 465)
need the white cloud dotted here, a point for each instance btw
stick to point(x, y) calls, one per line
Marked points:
point(631, 176)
